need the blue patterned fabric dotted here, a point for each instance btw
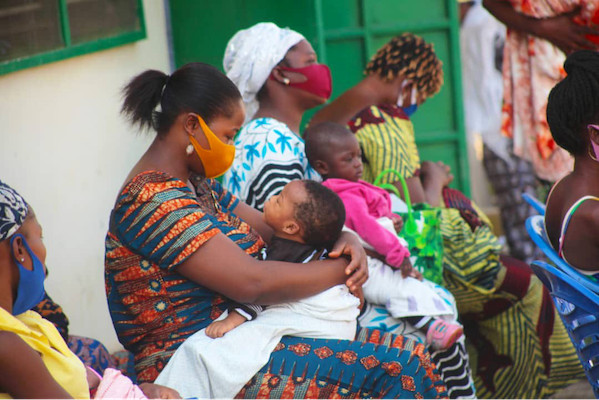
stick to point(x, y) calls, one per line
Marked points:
point(375, 365)
point(156, 224)
point(13, 211)
point(91, 352)
point(268, 155)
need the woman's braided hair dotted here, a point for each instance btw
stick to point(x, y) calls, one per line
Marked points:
point(574, 102)
point(410, 57)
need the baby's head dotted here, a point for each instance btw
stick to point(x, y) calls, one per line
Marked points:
point(333, 151)
point(306, 212)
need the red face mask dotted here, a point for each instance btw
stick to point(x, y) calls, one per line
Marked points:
point(318, 79)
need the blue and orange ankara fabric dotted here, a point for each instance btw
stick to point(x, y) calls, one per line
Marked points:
point(156, 224)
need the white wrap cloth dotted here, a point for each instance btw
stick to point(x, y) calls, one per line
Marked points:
point(251, 55)
point(218, 368)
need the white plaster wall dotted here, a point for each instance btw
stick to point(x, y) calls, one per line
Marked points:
point(66, 149)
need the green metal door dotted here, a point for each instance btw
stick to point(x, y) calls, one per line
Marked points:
point(345, 33)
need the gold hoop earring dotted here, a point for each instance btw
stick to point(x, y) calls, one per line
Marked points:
point(594, 158)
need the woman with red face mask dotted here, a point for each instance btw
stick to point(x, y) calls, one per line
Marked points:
point(278, 75)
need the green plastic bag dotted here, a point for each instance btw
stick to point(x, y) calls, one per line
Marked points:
point(422, 231)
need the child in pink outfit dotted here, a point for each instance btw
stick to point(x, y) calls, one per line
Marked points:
point(364, 205)
point(334, 152)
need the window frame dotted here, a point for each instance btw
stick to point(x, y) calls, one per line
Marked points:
point(73, 50)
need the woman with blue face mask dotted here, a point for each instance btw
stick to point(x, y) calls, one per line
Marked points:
point(35, 361)
point(491, 290)
point(400, 77)
point(30, 346)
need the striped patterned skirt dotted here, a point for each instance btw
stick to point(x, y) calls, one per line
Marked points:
point(517, 344)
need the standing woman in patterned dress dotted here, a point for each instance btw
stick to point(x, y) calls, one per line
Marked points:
point(181, 250)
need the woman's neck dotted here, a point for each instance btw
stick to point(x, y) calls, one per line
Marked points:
point(586, 173)
point(289, 115)
point(8, 284)
point(163, 157)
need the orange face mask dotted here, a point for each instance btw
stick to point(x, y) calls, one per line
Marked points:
point(218, 159)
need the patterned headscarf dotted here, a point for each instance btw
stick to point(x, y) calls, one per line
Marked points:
point(13, 211)
point(250, 56)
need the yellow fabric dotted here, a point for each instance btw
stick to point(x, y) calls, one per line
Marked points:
point(64, 366)
point(506, 352)
point(389, 144)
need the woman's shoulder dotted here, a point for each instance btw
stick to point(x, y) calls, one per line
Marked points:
point(567, 200)
point(263, 126)
point(378, 115)
point(146, 184)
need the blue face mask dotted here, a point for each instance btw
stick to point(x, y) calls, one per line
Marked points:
point(31, 283)
point(409, 111)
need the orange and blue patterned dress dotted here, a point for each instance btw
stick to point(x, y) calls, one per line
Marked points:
point(157, 222)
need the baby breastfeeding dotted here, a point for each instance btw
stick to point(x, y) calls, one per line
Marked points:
point(307, 218)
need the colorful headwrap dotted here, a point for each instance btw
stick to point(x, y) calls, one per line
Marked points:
point(13, 211)
point(250, 56)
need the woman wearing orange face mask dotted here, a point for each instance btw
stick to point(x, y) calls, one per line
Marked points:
point(181, 250)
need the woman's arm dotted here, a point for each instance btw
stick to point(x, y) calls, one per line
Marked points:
point(560, 30)
point(255, 219)
point(369, 91)
point(219, 264)
point(415, 189)
point(23, 373)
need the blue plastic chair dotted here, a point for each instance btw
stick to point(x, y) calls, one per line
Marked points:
point(578, 308)
point(535, 203)
point(535, 226)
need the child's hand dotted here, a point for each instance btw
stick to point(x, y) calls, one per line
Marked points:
point(397, 222)
point(407, 269)
point(153, 391)
point(218, 328)
point(359, 293)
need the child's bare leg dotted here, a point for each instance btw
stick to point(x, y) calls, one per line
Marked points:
point(219, 328)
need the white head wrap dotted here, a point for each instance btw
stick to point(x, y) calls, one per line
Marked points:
point(252, 54)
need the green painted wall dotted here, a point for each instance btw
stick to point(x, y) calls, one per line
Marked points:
point(345, 33)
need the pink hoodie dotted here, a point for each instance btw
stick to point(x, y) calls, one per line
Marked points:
point(364, 204)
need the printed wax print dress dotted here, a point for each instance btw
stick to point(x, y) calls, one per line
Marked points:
point(517, 344)
point(157, 222)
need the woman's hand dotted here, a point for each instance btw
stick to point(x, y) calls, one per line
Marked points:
point(437, 172)
point(564, 33)
point(560, 30)
point(349, 245)
point(153, 391)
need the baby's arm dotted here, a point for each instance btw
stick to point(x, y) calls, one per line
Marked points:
point(218, 328)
